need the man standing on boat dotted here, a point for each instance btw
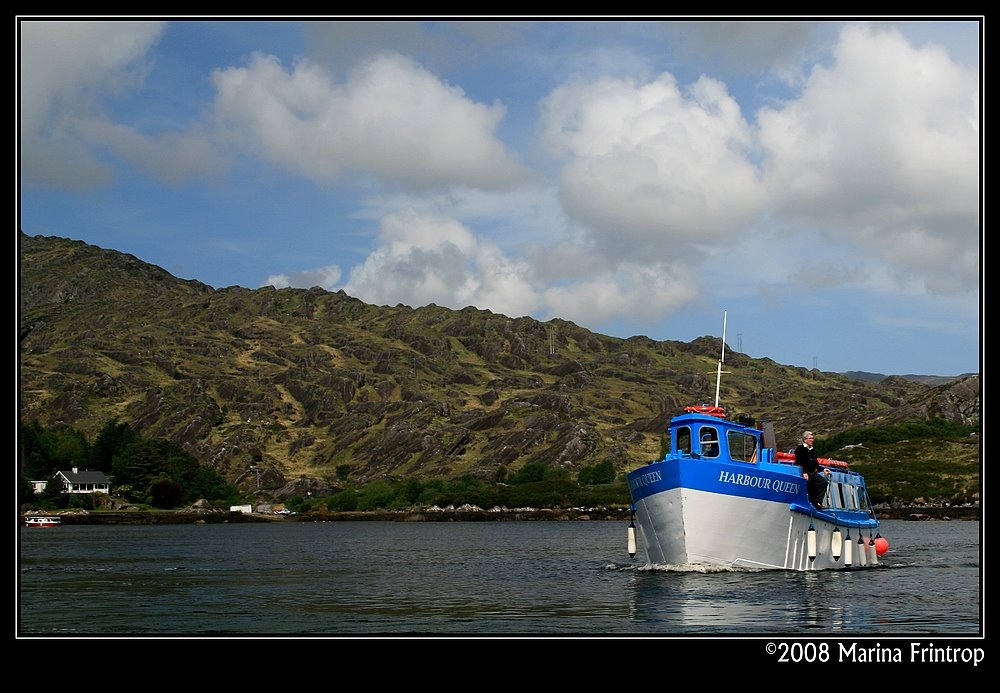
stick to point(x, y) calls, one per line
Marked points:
point(805, 457)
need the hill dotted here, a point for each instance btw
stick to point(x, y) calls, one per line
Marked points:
point(932, 380)
point(272, 387)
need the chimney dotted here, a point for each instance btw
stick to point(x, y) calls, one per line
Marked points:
point(75, 470)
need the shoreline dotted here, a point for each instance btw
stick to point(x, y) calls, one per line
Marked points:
point(218, 516)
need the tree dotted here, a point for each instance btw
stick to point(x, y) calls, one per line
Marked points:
point(531, 472)
point(136, 465)
point(45, 451)
point(113, 438)
point(345, 501)
point(208, 484)
point(70, 450)
point(25, 491)
point(54, 495)
point(412, 488)
point(165, 493)
point(600, 473)
point(34, 462)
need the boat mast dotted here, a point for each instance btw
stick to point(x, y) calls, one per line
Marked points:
point(718, 370)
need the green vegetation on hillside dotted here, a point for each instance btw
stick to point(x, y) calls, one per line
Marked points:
point(157, 473)
point(930, 462)
point(160, 474)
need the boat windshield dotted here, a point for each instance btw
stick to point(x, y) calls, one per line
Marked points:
point(742, 446)
point(709, 438)
point(684, 440)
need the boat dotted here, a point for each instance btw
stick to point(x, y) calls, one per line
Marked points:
point(723, 497)
point(42, 521)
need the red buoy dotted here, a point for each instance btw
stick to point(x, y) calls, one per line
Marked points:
point(881, 545)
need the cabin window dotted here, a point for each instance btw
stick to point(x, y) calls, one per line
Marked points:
point(709, 442)
point(853, 500)
point(838, 495)
point(684, 440)
point(742, 446)
point(864, 502)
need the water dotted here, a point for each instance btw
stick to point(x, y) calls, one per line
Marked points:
point(533, 578)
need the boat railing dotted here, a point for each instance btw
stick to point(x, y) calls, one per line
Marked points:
point(789, 458)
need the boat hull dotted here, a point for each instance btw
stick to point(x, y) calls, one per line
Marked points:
point(42, 522)
point(693, 512)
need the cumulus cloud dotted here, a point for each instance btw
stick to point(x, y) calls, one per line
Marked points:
point(878, 150)
point(651, 169)
point(877, 179)
point(323, 277)
point(391, 118)
point(65, 69)
point(172, 157)
point(440, 46)
point(430, 258)
point(630, 294)
point(882, 148)
point(777, 47)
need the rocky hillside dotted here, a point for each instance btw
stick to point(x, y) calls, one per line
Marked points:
point(317, 385)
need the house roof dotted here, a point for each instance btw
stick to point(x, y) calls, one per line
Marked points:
point(85, 477)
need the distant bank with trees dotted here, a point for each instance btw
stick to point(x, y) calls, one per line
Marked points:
point(159, 475)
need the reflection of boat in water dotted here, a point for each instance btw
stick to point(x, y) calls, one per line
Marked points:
point(42, 521)
point(686, 600)
point(722, 496)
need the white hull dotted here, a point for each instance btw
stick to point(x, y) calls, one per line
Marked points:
point(723, 496)
point(683, 526)
point(42, 522)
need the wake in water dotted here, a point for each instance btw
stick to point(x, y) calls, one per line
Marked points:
point(678, 568)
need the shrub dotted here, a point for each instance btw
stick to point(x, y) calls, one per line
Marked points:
point(345, 501)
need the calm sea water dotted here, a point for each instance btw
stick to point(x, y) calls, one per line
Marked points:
point(535, 578)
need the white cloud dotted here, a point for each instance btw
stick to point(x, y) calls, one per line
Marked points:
point(878, 153)
point(651, 170)
point(69, 72)
point(171, 156)
point(65, 70)
point(882, 148)
point(744, 47)
point(632, 294)
point(430, 258)
point(391, 118)
point(323, 277)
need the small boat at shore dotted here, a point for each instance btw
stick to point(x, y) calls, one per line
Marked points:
point(42, 521)
point(723, 497)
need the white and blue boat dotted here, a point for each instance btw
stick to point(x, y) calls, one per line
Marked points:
point(723, 497)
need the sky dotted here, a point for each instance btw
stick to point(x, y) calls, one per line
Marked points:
point(812, 189)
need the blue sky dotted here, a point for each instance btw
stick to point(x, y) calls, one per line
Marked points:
point(819, 181)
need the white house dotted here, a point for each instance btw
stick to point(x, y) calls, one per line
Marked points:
point(75, 481)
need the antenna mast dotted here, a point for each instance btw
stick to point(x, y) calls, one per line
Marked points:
point(718, 371)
